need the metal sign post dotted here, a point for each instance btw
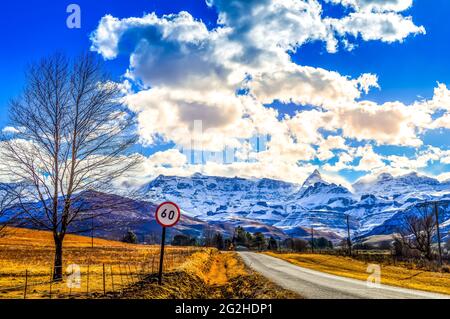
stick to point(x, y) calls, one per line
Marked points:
point(161, 255)
point(168, 214)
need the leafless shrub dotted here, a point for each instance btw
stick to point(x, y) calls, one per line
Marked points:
point(417, 233)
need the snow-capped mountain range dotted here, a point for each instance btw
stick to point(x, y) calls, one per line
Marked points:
point(374, 207)
point(275, 208)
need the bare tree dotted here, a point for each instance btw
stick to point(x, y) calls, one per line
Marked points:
point(72, 135)
point(208, 236)
point(418, 232)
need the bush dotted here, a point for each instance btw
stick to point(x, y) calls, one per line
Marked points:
point(218, 241)
point(273, 245)
point(258, 241)
point(295, 244)
point(130, 238)
point(182, 240)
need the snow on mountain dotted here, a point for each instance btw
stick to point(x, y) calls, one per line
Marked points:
point(274, 203)
point(396, 220)
point(216, 198)
point(292, 209)
point(405, 186)
point(325, 196)
point(313, 179)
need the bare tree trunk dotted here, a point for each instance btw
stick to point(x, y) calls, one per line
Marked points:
point(58, 264)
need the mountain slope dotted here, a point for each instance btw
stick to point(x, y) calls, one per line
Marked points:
point(113, 215)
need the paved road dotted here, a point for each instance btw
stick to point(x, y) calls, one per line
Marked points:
point(317, 285)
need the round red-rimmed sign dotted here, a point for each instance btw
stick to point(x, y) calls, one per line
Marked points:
point(168, 214)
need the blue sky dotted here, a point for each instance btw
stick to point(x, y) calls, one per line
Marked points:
point(32, 29)
point(407, 70)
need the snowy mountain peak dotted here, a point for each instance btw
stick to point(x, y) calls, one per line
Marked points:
point(313, 179)
point(415, 177)
point(412, 184)
point(384, 177)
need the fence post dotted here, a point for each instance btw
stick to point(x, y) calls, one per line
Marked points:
point(138, 274)
point(104, 280)
point(87, 280)
point(26, 284)
point(121, 277)
point(130, 274)
point(127, 274)
point(134, 269)
point(51, 281)
point(153, 263)
point(112, 278)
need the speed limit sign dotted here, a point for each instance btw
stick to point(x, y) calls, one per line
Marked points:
point(168, 214)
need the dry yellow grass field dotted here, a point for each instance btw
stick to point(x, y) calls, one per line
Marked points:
point(31, 251)
point(130, 270)
point(390, 275)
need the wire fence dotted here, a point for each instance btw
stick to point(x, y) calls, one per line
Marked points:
point(91, 280)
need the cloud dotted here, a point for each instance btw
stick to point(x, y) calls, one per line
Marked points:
point(305, 126)
point(376, 5)
point(266, 29)
point(386, 27)
point(213, 119)
point(375, 20)
point(392, 123)
point(173, 50)
point(171, 158)
point(330, 144)
point(10, 130)
point(362, 159)
point(369, 160)
point(441, 98)
point(367, 81)
point(307, 85)
point(444, 177)
point(344, 162)
point(209, 89)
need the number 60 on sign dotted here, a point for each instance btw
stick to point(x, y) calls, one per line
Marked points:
point(168, 214)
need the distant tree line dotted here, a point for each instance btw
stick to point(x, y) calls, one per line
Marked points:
point(252, 241)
